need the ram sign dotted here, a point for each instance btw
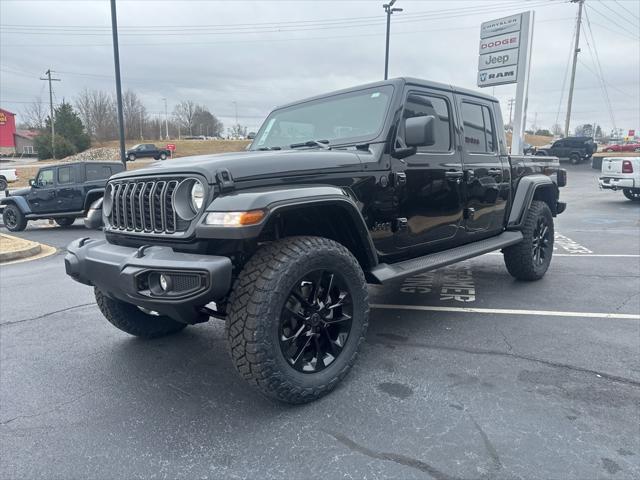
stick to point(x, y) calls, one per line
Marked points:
point(499, 51)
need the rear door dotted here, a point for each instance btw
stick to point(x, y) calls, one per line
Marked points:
point(70, 195)
point(483, 168)
point(431, 200)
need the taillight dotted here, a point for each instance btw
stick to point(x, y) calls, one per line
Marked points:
point(627, 167)
point(562, 177)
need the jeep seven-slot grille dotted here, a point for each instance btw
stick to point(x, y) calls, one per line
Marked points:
point(143, 205)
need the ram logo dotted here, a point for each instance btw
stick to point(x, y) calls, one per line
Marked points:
point(483, 77)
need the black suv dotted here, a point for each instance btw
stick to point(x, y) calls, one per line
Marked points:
point(61, 192)
point(147, 150)
point(365, 185)
point(576, 149)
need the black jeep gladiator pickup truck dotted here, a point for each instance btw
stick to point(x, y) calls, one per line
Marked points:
point(60, 192)
point(147, 150)
point(365, 185)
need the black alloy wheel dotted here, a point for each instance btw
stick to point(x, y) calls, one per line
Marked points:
point(13, 219)
point(541, 241)
point(315, 322)
point(631, 194)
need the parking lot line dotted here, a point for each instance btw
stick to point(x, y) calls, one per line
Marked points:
point(506, 311)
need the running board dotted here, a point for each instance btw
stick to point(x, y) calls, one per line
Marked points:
point(384, 272)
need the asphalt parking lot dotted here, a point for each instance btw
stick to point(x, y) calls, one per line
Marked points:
point(466, 373)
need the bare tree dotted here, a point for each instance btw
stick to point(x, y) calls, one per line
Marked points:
point(556, 130)
point(98, 112)
point(184, 114)
point(134, 115)
point(35, 114)
point(206, 123)
point(238, 131)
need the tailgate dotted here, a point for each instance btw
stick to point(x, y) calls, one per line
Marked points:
point(611, 166)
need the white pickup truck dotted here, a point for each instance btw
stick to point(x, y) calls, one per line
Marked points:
point(7, 176)
point(622, 173)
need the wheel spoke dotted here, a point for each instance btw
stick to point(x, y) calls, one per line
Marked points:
point(296, 315)
point(319, 354)
point(303, 301)
point(294, 336)
point(343, 318)
point(327, 297)
point(313, 299)
point(341, 301)
point(299, 354)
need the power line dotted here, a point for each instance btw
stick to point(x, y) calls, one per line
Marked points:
point(627, 10)
point(621, 17)
point(612, 21)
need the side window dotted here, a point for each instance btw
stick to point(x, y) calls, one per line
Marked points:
point(64, 175)
point(45, 178)
point(419, 105)
point(106, 172)
point(94, 172)
point(479, 135)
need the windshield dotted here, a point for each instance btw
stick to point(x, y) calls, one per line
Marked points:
point(346, 118)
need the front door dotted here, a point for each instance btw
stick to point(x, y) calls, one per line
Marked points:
point(483, 168)
point(42, 197)
point(431, 199)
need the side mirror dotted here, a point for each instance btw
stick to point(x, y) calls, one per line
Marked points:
point(420, 131)
point(32, 182)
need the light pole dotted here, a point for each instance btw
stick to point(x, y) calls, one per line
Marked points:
point(116, 61)
point(388, 8)
point(166, 119)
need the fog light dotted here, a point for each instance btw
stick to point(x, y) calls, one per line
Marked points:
point(165, 282)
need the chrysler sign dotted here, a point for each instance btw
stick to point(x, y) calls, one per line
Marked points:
point(500, 26)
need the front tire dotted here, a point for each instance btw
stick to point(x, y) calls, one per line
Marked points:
point(14, 219)
point(163, 156)
point(299, 312)
point(530, 259)
point(632, 194)
point(65, 221)
point(3, 184)
point(132, 320)
point(131, 157)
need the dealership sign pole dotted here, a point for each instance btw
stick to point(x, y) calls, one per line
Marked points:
point(504, 58)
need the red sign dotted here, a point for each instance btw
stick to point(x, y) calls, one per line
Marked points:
point(632, 133)
point(171, 146)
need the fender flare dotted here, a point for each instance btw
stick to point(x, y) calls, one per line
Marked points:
point(525, 192)
point(90, 193)
point(19, 202)
point(280, 200)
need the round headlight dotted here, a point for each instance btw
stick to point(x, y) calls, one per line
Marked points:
point(107, 201)
point(197, 196)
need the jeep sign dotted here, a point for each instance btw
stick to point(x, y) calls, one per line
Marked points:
point(497, 76)
point(498, 59)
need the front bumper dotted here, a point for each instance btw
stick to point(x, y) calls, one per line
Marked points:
point(613, 183)
point(132, 275)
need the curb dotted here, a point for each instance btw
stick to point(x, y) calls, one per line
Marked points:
point(29, 251)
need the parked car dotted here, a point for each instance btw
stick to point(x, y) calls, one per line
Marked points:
point(7, 176)
point(528, 149)
point(574, 149)
point(147, 150)
point(365, 185)
point(622, 173)
point(623, 147)
point(61, 192)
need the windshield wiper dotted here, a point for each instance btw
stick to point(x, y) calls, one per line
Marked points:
point(312, 143)
point(270, 148)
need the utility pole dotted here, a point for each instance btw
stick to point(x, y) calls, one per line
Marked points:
point(166, 119)
point(116, 61)
point(141, 129)
point(511, 102)
point(576, 50)
point(53, 129)
point(388, 8)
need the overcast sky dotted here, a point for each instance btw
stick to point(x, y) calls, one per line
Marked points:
point(264, 53)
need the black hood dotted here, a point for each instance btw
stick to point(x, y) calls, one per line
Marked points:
point(20, 192)
point(250, 165)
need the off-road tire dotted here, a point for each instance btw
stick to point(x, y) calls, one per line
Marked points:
point(256, 303)
point(3, 184)
point(519, 258)
point(18, 224)
point(574, 158)
point(65, 221)
point(132, 320)
point(632, 195)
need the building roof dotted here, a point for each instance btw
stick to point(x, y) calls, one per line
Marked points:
point(7, 111)
point(31, 134)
